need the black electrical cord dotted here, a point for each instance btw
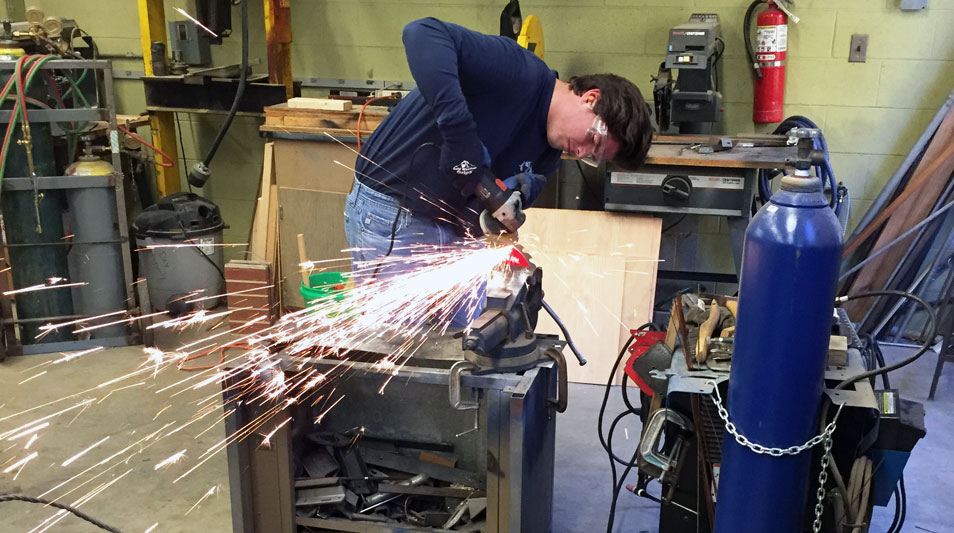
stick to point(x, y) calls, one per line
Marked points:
point(52, 503)
point(401, 206)
point(929, 339)
point(200, 172)
point(747, 35)
point(607, 440)
point(900, 507)
point(674, 224)
point(715, 61)
point(181, 147)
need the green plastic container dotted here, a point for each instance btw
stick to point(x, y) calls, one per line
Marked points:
point(324, 286)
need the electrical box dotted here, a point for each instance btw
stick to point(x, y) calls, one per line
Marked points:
point(186, 45)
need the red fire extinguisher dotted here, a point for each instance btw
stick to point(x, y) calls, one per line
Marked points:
point(769, 63)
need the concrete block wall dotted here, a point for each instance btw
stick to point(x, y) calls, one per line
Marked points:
point(871, 112)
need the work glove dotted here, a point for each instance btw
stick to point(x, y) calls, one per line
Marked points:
point(464, 159)
point(530, 185)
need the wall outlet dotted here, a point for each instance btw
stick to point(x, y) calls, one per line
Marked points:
point(859, 48)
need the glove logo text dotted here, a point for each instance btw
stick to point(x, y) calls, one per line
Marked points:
point(465, 168)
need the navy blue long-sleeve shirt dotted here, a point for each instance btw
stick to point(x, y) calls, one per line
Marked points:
point(466, 82)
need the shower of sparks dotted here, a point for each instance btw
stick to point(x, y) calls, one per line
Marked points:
point(152, 527)
point(31, 378)
point(196, 22)
point(43, 287)
point(31, 441)
point(266, 440)
point(192, 245)
point(174, 458)
point(19, 464)
point(29, 431)
point(84, 452)
point(204, 497)
point(401, 301)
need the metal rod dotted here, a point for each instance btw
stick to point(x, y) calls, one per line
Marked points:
point(924, 239)
point(899, 344)
point(900, 238)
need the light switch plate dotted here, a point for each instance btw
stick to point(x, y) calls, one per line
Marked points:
point(859, 48)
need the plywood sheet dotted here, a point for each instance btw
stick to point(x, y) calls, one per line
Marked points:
point(311, 165)
point(319, 217)
point(599, 274)
point(586, 293)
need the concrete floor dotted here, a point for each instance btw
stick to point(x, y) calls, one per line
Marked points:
point(142, 496)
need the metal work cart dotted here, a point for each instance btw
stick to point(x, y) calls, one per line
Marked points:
point(506, 443)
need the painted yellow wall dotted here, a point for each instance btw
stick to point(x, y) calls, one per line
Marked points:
point(870, 112)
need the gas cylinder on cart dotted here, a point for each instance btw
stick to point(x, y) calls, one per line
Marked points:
point(771, 48)
point(786, 295)
point(96, 258)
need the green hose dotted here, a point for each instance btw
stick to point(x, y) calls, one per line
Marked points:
point(13, 117)
point(72, 133)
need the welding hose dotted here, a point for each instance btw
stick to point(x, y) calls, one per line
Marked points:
point(200, 172)
point(566, 334)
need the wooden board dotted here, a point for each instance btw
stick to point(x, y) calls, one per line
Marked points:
point(260, 217)
point(926, 184)
point(325, 104)
point(319, 217)
point(271, 228)
point(585, 292)
point(738, 157)
point(938, 154)
point(311, 165)
point(599, 273)
point(282, 114)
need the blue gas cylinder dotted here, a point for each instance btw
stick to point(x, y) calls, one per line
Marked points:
point(786, 294)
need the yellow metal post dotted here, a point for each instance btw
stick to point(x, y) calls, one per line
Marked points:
point(152, 27)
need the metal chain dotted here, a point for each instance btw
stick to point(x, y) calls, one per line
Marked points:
point(822, 478)
point(766, 450)
point(824, 436)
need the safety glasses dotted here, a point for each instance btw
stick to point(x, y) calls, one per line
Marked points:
point(596, 139)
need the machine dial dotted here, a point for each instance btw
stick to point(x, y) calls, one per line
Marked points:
point(677, 188)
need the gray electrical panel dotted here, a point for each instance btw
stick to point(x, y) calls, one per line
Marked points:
point(186, 45)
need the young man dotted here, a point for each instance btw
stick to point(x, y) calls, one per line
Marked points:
point(482, 103)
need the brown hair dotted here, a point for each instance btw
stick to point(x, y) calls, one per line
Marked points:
point(625, 112)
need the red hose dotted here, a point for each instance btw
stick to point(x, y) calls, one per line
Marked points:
point(151, 147)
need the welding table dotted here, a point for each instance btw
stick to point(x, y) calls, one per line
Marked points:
point(512, 449)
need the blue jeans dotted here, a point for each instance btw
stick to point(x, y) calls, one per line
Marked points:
point(369, 218)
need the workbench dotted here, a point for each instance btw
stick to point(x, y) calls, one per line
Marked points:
point(721, 183)
point(506, 445)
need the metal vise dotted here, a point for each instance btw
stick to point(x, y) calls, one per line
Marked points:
point(501, 339)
